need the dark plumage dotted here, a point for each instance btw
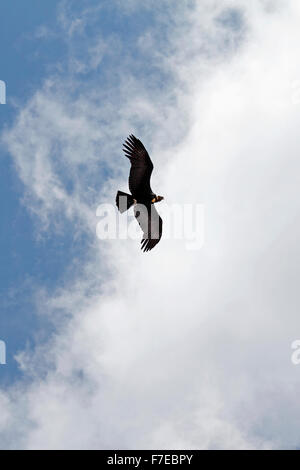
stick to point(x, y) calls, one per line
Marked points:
point(142, 195)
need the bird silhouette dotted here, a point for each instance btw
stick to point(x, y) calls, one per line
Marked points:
point(142, 196)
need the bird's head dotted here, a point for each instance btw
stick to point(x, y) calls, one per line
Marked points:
point(157, 199)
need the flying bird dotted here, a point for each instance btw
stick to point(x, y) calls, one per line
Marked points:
point(142, 196)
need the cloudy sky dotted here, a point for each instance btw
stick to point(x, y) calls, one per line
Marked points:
point(174, 349)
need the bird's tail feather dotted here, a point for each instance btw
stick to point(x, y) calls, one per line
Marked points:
point(124, 201)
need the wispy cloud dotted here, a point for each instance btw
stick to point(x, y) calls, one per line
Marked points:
point(178, 349)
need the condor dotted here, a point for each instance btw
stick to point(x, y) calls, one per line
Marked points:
point(142, 196)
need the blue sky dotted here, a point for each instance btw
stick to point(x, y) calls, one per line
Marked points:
point(24, 62)
point(29, 56)
point(28, 261)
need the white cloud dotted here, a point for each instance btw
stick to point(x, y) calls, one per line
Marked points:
point(177, 349)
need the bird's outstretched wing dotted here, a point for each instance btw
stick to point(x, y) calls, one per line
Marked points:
point(141, 168)
point(151, 223)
